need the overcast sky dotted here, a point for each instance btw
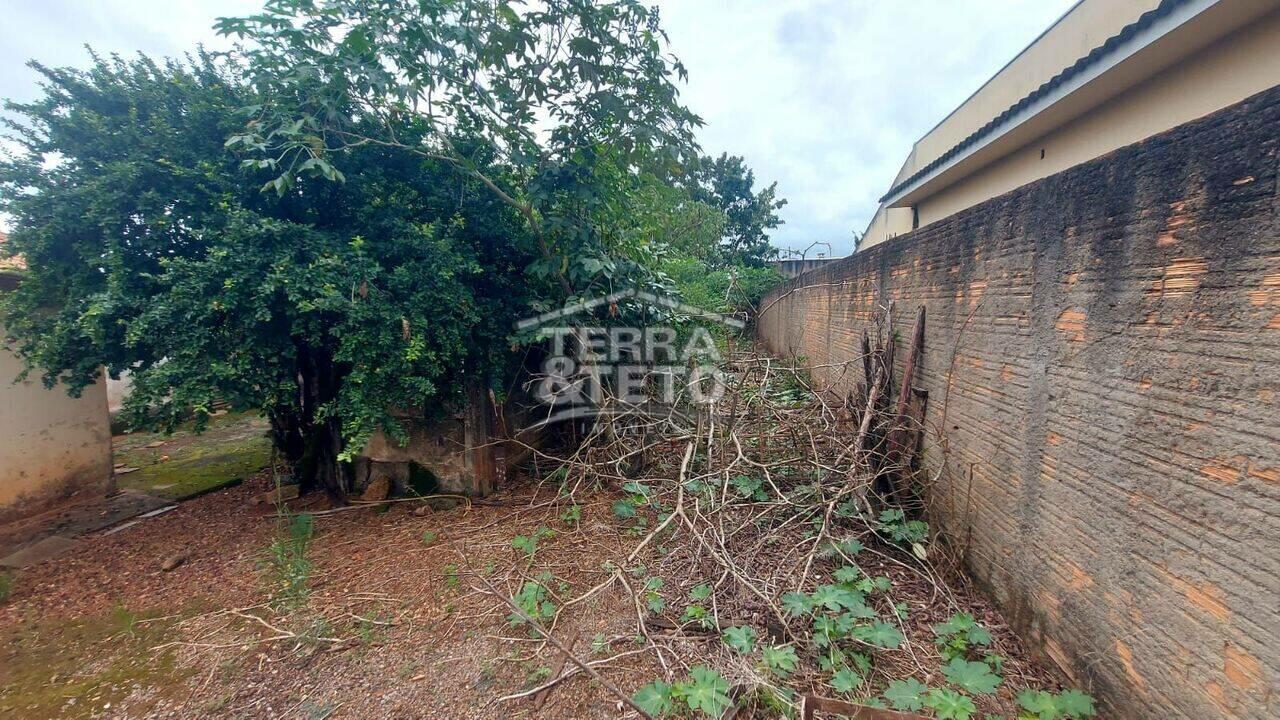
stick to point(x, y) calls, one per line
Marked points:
point(824, 96)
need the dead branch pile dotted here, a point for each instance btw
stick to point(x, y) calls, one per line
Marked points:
point(779, 490)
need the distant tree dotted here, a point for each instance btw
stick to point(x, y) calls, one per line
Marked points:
point(728, 184)
point(726, 290)
point(668, 217)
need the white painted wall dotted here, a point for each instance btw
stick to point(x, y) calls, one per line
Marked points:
point(52, 446)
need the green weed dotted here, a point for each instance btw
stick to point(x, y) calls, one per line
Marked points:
point(287, 563)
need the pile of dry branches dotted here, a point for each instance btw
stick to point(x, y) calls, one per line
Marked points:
point(765, 493)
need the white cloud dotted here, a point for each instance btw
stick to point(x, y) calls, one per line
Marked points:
point(824, 96)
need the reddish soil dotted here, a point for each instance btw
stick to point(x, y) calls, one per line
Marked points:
point(449, 651)
point(394, 626)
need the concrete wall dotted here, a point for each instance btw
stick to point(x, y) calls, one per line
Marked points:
point(1103, 357)
point(794, 268)
point(118, 391)
point(52, 446)
point(1225, 53)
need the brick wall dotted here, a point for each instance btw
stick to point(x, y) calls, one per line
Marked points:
point(1103, 353)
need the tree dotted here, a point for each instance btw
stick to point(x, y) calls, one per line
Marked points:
point(666, 216)
point(728, 184)
point(560, 93)
point(150, 247)
point(731, 289)
point(348, 223)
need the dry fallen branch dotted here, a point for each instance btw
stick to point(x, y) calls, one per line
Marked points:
point(758, 495)
point(537, 627)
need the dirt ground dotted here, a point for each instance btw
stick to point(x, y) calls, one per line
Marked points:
point(393, 627)
point(400, 610)
point(108, 633)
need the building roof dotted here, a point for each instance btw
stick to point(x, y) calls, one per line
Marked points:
point(1093, 57)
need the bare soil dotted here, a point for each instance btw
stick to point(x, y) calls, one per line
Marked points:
point(394, 627)
point(107, 633)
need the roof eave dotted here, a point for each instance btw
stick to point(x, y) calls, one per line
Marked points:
point(1133, 38)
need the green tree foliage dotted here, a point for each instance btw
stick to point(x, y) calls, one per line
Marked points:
point(725, 289)
point(666, 217)
point(571, 97)
point(345, 223)
point(728, 184)
point(151, 248)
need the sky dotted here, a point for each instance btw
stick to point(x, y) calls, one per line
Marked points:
point(823, 96)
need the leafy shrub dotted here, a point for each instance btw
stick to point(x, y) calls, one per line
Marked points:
point(906, 694)
point(705, 691)
point(795, 603)
point(741, 639)
point(697, 615)
point(846, 680)
point(879, 634)
point(696, 612)
point(780, 660)
point(751, 488)
point(652, 599)
point(973, 677)
point(894, 524)
point(572, 515)
point(730, 289)
point(535, 601)
point(958, 634)
point(1069, 704)
point(847, 548)
point(287, 562)
point(948, 704)
point(528, 544)
point(624, 509)
point(599, 644)
point(655, 698)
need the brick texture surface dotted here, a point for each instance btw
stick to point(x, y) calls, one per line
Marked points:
point(1103, 357)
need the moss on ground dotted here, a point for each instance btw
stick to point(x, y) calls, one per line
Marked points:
point(231, 449)
point(87, 668)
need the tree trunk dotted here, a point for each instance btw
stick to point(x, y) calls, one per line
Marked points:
point(287, 435)
point(330, 473)
point(309, 444)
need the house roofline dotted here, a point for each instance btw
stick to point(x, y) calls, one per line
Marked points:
point(1065, 81)
point(1004, 67)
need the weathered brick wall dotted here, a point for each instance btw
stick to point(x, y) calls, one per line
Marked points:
point(1103, 351)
